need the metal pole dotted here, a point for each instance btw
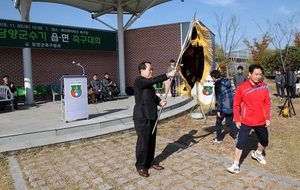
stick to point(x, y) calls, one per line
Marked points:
point(27, 63)
point(121, 49)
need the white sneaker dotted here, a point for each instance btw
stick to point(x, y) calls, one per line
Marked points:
point(234, 169)
point(217, 141)
point(260, 158)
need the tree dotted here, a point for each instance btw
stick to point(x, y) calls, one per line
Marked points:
point(220, 59)
point(258, 48)
point(229, 36)
point(297, 39)
point(293, 60)
point(271, 61)
point(281, 33)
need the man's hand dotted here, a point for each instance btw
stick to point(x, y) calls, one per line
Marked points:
point(162, 103)
point(267, 123)
point(172, 73)
point(238, 125)
point(219, 114)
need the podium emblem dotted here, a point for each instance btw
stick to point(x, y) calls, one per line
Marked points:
point(76, 90)
point(207, 90)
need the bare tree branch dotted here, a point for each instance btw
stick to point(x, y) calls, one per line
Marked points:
point(233, 33)
point(281, 33)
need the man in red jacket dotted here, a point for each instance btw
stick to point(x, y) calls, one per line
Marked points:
point(251, 110)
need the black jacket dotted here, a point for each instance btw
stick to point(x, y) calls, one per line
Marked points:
point(146, 100)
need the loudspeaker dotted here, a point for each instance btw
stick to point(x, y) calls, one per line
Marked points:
point(289, 78)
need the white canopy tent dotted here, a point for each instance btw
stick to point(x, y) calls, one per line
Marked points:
point(96, 8)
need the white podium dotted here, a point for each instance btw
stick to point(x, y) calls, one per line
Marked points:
point(74, 98)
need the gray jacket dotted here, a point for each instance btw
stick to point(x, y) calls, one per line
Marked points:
point(279, 79)
point(239, 78)
point(96, 85)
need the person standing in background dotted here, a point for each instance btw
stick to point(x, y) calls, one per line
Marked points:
point(279, 80)
point(173, 79)
point(239, 77)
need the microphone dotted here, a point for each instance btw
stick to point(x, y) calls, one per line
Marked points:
point(78, 64)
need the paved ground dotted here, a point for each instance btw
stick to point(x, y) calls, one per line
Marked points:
point(41, 125)
point(107, 162)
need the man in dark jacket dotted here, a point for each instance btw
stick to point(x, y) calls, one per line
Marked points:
point(224, 105)
point(145, 115)
point(98, 89)
point(280, 82)
point(239, 77)
point(110, 86)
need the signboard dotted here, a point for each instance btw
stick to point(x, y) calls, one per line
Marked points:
point(35, 35)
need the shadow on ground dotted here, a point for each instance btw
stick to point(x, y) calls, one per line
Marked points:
point(106, 112)
point(185, 141)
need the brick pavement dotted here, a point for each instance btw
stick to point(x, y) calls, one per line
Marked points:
point(108, 163)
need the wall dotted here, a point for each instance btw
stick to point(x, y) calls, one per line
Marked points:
point(49, 65)
point(157, 44)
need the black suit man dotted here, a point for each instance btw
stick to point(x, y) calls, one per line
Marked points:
point(145, 115)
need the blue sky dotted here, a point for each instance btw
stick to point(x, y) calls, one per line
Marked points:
point(249, 11)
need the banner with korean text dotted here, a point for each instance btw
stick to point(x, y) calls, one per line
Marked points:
point(36, 35)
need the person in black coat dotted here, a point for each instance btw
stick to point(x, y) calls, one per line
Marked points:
point(110, 86)
point(145, 115)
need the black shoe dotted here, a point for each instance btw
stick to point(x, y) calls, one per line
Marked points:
point(143, 172)
point(157, 167)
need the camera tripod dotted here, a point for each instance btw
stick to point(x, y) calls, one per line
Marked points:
point(289, 107)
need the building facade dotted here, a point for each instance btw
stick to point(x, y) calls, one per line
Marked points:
point(157, 44)
point(240, 57)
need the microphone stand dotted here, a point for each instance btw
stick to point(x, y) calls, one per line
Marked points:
point(83, 70)
point(79, 65)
